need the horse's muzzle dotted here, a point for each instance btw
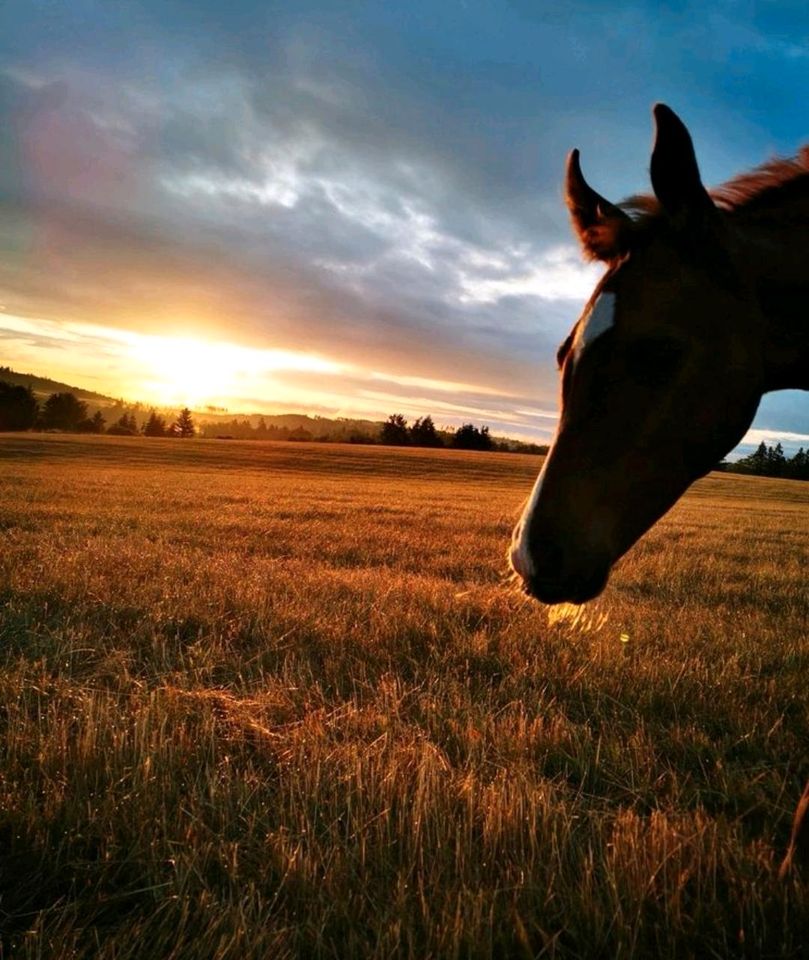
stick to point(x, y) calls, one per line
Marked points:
point(553, 572)
point(571, 589)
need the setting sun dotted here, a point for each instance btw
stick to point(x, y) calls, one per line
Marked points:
point(184, 370)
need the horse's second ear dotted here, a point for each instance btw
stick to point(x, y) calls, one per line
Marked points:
point(603, 229)
point(675, 174)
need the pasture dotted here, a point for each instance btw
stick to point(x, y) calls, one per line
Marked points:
point(278, 700)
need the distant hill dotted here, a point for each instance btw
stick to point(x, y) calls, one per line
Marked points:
point(44, 387)
point(216, 422)
point(212, 419)
point(292, 426)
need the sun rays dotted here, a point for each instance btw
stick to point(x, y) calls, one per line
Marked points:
point(182, 369)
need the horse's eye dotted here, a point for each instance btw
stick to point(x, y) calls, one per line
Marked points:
point(652, 360)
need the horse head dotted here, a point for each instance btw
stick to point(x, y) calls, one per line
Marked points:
point(660, 376)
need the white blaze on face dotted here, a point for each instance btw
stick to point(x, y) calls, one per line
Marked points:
point(600, 319)
point(520, 554)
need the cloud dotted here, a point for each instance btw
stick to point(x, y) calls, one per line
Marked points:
point(557, 275)
point(381, 187)
point(272, 236)
point(773, 436)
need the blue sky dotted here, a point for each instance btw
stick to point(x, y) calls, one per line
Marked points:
point(373, 189)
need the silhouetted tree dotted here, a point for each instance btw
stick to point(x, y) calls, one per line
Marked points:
point(758, 461)
point(97, 422)
point(94, 424)
point(184, 424)
point(18, 407)
point(772, 462)
point(469, 437)
point(776, 461)
point(798, 467)
point(394, 431)
point(63, 411)
point(424, 434)
point(124, 426)
point(155, 425)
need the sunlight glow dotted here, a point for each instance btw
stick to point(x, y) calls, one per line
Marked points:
point(165, 370)
point(194, 372)
point(188, 366)
point(584, 618)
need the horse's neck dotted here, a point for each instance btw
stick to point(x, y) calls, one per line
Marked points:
point(779, 269)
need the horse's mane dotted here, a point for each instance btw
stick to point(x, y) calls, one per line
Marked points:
point(755, 193)
point(758, 188)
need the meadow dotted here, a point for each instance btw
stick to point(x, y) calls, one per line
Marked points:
point(265, 700)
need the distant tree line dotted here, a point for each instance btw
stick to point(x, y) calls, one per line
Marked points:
point(395, 431)
point(422, 433)
point(772, 462)
point(243, 429)
point(20, 410)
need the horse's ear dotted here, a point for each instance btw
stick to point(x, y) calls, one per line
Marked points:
point(602, 228)
point(675, 174)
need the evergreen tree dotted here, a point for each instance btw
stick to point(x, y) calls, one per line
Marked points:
point(798, 467)
point(773, 462)
point(776, 461)
point(124, 426)
point(90, 424)
point(754, 462)
point(155, 425)
point(758, 460)
point(184, 424)
point(97, 420)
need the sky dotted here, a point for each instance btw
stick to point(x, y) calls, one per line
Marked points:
point(351, 209)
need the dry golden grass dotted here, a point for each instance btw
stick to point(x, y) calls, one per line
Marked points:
point(268, 700)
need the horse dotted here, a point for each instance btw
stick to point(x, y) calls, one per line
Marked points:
point(700, 311)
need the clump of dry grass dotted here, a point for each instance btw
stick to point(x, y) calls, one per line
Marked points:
point(275, 700)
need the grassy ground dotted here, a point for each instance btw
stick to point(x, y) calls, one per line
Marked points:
point(277, 700)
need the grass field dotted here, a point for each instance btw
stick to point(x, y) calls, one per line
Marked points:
point(278, 700)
